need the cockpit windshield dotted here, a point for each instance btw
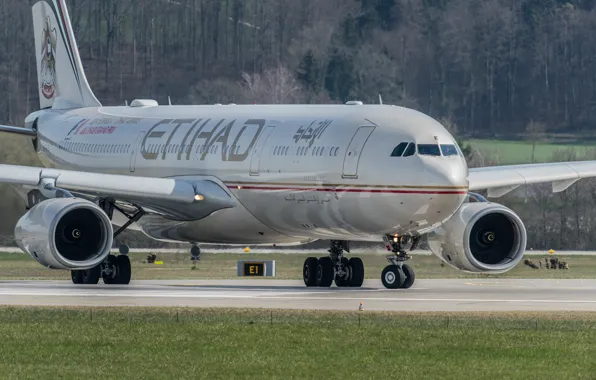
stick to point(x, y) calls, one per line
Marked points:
point(399, 150)
point(406, 149)
point(429, 150)
point(449, 150)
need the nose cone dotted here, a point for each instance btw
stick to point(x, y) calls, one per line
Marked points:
point(448, 173)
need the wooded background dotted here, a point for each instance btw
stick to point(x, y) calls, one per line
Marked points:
point(486, 68)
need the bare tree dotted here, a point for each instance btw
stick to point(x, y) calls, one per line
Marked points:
point(275, 86)
point(535, 133)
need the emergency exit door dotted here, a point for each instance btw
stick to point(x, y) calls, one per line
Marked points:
point(352, 157)
point(135, 149)
point(257, 152)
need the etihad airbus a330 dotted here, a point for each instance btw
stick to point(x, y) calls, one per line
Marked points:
point(253, 174)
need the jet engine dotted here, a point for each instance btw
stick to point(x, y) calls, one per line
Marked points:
point(481, 237)
point(65, 233)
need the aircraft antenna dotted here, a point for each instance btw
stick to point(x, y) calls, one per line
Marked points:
point(380, 100)
point(126, 103)
point(169, 101)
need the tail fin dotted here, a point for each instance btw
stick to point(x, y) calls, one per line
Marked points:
point(62, 81)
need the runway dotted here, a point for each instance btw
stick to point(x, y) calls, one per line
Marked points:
point(427, 295)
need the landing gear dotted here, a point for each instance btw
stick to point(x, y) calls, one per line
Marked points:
point(393, 277)
point(86, 277)
point(195, 252)
point(398, 275)
point(309, 271)
point(335, 267)
point(115, 270)
point(325, 272)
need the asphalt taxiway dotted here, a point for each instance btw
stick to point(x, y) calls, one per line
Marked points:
point(427, 295)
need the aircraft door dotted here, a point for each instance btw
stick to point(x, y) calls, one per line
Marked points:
point(136, 147)
point(257, 152)
point(352, 157)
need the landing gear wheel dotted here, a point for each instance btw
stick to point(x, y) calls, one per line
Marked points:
point(195, 252)
point(110, 277)
point(410, 276)
point(91, 276)
point(77, 276)
point(309, 271)
point(392, 277)
point(325, 272)
point(344, 281)
point(357, 269)
point(124, 271)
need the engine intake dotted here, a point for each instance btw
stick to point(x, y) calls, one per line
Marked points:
point(480, 237)
point(65, 233)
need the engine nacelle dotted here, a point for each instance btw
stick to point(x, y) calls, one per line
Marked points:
point(65, 233)
point(480, 237)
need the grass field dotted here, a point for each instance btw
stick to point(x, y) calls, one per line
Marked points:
point(16, 266)
point(271, 344)
point(520, 152)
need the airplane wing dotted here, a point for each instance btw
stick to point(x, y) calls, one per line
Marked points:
point(18, 130)
point(500, 180)
point(192, 197)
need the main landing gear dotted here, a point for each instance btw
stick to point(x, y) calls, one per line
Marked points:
point(115, 270)
point(335, 267)
point(399, 275)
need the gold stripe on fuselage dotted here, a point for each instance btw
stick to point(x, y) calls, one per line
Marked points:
point(242, 183)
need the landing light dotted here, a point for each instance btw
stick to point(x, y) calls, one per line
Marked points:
point(199, 197)
point(395, 238)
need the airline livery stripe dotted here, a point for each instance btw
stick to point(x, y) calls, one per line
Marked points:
point(350, 190)
point(335, 186)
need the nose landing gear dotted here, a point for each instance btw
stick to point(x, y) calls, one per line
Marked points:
point(399, 275)
point(335, 267)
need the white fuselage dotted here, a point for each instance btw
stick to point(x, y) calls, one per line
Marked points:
point(299, 173)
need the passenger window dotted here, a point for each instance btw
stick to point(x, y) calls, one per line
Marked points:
point(448, 150)
point(399, 150)
point(410, 150)
point(429, 150)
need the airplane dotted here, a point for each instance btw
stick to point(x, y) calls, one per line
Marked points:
point(253, 174)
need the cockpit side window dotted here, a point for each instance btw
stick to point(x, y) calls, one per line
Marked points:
point(449, 150)
point(411, 150)
point(399, 150)
point(429, 150)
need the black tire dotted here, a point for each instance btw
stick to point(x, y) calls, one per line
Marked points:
point(410, 276)
point(195, 252)
point(357, 269)
point(325, 272)
point(112, 278)
point(309, 271)
point(76, 276)
point(342, 282)
point(124, 270)
point(91, 276)
point(392, 277)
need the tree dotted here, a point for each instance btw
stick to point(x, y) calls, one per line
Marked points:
point(535, 133)
point(309, 73)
